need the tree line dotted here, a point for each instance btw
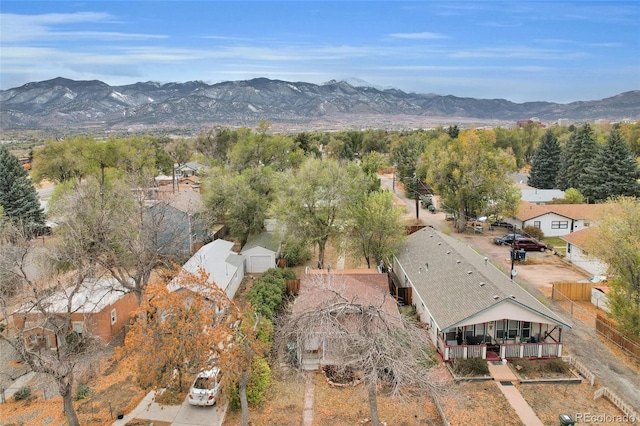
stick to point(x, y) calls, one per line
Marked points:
point(320, 188)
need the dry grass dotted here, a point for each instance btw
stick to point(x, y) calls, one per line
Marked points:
point(283, 405)
point(478, 403)
point(113, 392)
point(548, 401)
point(350, 406)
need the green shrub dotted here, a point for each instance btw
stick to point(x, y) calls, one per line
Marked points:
point(83, 392)
point(533, 232)
point(267, 293)
point(259, 381)
point(296, 253)
point(22, 394)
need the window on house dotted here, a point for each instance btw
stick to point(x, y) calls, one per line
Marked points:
point(537, 224)
point(559, 224)
point(499, 329)
point(113, 316)
point(512, 331)
point(526, 329)
point(78, 327)
point(468, 332)
point(449, 336)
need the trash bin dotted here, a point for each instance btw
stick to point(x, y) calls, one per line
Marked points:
point(566, 420)
point(518, 254)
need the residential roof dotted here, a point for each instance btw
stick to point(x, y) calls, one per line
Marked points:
point(186, 200)
point(217, 259)
point(527, 210)
point(268, 240)
point(193, 165)
point(541, 195)
point(457, 283)
point(580, 238)
point(93, 296)
point(366, 287)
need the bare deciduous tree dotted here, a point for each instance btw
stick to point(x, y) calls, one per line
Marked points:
point(39, 317)
point(356, 333)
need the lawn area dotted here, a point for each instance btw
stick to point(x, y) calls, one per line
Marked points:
point(557, 243)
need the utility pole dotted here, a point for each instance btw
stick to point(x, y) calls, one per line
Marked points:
point(513, 254)
point(417, 198)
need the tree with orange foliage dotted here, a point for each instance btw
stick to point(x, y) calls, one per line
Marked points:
point(183, 327)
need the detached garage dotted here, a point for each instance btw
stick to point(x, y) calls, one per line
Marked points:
point(260, 252)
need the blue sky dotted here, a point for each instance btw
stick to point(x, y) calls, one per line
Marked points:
point(520, 51)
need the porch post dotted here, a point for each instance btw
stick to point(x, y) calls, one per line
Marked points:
point(464, 352)
point(539, 350)
point(521, 350)
point(484, 351)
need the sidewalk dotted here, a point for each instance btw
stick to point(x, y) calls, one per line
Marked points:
point(505, 378)
point(309, 392)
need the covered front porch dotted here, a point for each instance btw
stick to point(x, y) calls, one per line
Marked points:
point(501, 339)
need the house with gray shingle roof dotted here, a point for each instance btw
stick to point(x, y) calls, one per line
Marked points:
point(471, 308)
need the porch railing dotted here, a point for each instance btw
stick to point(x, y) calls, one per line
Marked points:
point(531, 350)
point(513, 350)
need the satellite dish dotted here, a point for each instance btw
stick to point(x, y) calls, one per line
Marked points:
point(514, 272)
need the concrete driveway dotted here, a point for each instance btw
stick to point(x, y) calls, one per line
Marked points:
point(177, 415)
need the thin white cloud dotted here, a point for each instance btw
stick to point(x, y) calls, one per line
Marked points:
point(517, 52)
point(27, 28)
point(419, 36)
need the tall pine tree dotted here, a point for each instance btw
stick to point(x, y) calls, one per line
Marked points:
point(18, 196)
point(577, 157)
point(614, 172)
point(546, 162)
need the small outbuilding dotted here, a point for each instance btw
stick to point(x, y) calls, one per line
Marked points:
point(261, 252)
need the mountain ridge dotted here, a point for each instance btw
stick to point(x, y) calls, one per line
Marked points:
point(62, 102)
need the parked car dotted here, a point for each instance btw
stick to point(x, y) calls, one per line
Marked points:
point(529, 244)
point(502, 224)
point(506, 240)
point(205, 388)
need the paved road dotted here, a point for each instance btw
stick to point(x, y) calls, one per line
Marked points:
point(177, 415)
point(581, 341)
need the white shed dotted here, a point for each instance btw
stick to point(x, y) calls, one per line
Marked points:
point(260, 252)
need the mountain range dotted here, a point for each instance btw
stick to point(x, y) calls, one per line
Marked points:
point(64, 103)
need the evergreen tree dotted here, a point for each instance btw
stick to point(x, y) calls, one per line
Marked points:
point(614, 171)
point(18, 196)
point(577, 157)
point(546, 162)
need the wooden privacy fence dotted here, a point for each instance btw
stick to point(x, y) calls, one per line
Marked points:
point(293, 287)
point(572, 291)
point(608, 329)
